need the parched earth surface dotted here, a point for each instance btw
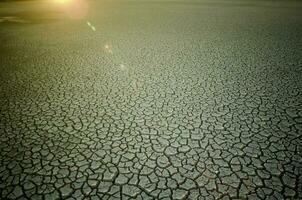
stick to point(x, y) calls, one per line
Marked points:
point(151, 100)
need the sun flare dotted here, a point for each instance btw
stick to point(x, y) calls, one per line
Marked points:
point(63, 1)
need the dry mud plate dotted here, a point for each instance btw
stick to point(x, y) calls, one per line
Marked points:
point(151, 100)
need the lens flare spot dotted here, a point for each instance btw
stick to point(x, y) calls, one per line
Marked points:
point(91, 26)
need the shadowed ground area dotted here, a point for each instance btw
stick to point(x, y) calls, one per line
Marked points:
point(151, 100)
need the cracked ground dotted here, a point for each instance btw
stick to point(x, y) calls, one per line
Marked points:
point(151, 100)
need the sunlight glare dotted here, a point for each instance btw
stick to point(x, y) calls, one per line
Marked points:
point(62, 1)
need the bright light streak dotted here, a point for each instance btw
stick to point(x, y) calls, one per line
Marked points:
point(91, 26)
point(63, 1)
point(75, 9)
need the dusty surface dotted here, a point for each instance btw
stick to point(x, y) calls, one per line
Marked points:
point(151, 100)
